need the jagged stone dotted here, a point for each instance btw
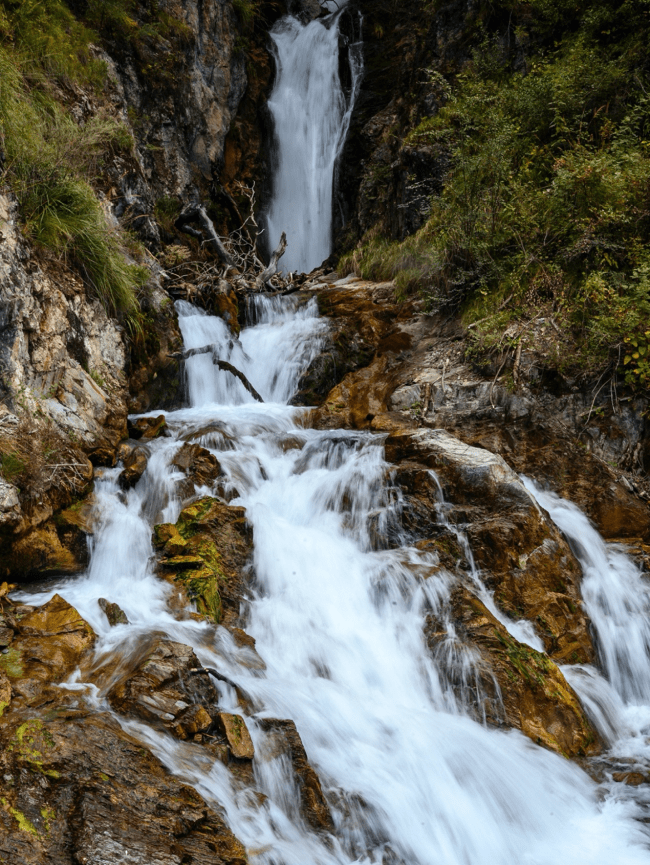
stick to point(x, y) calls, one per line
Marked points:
point(520, 687)
point(236, 732)
point(76, 787)
point(160, 685)
point(285, 739)
point(50, 643)
point(114, 613)
point(135, 465)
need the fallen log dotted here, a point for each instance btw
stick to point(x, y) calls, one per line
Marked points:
point(222, 364)
point(272, 269)
point(197, 213)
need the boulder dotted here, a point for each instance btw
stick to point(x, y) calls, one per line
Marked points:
point(522, 556)
point(135, 465)
point(236, 732)
point(147, 427)
point(114, 613)
point(50, 643)
point(206, 552)
point(161, 685)
point(77, 788)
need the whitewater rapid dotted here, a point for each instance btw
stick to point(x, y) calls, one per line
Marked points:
point(338, 620)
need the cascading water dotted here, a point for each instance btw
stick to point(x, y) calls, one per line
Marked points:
point(311, 115)
point(617, 600)
point(338, 621)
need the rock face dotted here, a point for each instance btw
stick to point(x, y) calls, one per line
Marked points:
point(63, 400)
point(181, 91)
point(76, 788)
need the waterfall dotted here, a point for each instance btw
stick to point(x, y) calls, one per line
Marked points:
point(311, 115)
point(338, 620)
point(617, 600)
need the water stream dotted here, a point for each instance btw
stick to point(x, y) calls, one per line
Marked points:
point(338, 619)
point(338, 614)
point(311, 114)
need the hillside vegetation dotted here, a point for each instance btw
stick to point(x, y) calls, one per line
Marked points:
point(49, 160)
point(544, 210)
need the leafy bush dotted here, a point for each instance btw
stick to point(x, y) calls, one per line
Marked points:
point(547, 201)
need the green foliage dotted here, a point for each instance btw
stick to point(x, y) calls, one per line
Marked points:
point(50, 160)
point(547, 200)
point(11, 466)
point(47, 37)
point(246, 10)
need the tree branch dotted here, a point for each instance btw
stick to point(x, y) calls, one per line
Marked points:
point(197, 213)
point(222, 364)
point(273, 264)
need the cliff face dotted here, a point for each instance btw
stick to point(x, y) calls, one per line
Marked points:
point(176, 75)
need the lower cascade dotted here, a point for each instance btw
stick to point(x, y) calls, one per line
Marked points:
point(408, 773)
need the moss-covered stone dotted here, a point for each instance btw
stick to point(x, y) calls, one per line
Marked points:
point(205, 551)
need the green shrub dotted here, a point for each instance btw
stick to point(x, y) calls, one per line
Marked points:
point(547, 199)
point(50, 160)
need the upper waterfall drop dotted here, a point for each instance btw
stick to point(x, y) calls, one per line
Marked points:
point(311, 115)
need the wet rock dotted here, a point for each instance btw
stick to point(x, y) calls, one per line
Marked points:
point(160, 685)
point(201, 467)
point(114, 613)
point(135, 465)
point(236, 732)
point(50, 643)
point(206, 553)
point(532, 692)
point(76, 788)
point(632, 779)
point(195, 719)
point(45, 551)
point(286, 740)
point(522, 555)
point(148, 427)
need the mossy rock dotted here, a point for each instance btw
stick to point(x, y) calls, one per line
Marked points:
point(206, 551)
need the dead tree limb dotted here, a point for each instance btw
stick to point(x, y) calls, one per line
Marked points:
point(197, 213)
point(222, 364)
point(272, 269)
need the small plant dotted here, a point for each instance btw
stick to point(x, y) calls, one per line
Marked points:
point(96, 377)
point(11, 465)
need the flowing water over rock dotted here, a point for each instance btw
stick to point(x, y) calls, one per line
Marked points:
point(338, 616)
point(311, 115)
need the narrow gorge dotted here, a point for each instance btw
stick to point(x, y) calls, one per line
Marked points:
point(303, 562)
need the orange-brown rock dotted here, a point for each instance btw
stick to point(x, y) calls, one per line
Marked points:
point(206, 553)
point(148, 427)
point(532, 695)
point(74, 787)
point(50, 643)
point(135, 465)
point(158, 685)
point(200, 466)
point(236, 732)
point(521, 554)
